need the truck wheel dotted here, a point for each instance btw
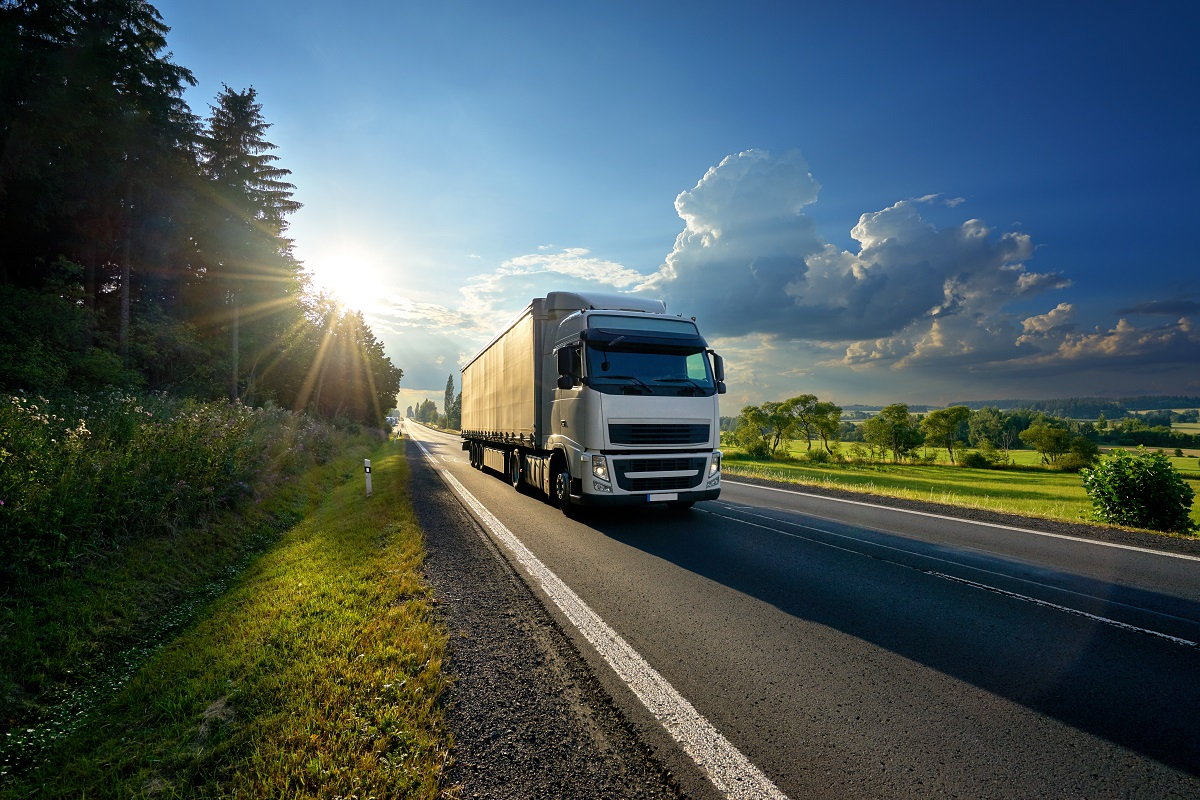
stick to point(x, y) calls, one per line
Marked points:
point(514, 470)
point(562, 489)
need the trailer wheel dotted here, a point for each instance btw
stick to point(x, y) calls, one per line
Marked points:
point(514, 470)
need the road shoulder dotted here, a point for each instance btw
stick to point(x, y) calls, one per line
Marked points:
point(529, 717)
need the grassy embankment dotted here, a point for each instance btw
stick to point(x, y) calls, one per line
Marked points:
point(1026, 488)
point(194, 664)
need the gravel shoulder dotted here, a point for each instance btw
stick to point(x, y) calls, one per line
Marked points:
point(530, 719)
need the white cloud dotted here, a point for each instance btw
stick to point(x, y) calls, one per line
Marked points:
point(934, 303)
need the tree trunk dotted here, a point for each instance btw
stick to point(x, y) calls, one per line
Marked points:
point(233, 386)
point(126, 279)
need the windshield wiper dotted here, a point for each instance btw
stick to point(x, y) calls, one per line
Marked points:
point(633, 378)
point(695, 385)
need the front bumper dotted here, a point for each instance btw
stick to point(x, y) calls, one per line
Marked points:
point(653, 499)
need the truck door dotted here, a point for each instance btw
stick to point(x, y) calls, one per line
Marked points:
point(569, 359)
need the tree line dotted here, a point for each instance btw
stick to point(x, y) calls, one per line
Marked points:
point(427, 411)
point(896, 433)
point(145, 246)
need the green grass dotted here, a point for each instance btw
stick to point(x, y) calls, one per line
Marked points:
point(313, 670)
point(1027, 489)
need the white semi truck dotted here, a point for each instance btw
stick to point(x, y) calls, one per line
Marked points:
point(597, 400)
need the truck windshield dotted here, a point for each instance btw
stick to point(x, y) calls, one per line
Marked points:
point(645, 371)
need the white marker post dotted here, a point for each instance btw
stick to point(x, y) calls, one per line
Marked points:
point(367, 471)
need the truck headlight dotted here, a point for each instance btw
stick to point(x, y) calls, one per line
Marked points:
point(600, 467)
point(715, 465)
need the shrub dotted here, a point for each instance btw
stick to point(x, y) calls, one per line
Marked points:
point(757, 449)
point(1141, 490)
point(818, 457)
point(78, 473)
point(976, 461)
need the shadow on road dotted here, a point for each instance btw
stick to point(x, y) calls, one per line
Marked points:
point(1129, 688)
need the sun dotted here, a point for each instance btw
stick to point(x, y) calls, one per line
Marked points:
point(352, 275)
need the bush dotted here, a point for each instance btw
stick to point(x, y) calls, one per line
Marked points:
point(976, 461)
point(79, 473)
point(1142, 491)
point(818, 457)
point(757, 449)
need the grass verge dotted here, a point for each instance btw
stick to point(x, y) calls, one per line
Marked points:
point(315, 673)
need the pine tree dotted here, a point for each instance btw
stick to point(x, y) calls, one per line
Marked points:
point(251, 261)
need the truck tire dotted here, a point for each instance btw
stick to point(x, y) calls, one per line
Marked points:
point(514, 470)
point(562, 487)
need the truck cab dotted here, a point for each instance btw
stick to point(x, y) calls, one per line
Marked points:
point(634, 410)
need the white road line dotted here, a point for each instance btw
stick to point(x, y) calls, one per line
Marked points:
point(1135, 548)
point(729, 770)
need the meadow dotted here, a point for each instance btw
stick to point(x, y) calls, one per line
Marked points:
point(1026, 487)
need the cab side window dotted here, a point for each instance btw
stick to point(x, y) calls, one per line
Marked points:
point(572, 357)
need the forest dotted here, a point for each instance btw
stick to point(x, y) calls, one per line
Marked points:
point(145, 247)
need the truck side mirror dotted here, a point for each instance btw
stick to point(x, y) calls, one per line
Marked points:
point(719, 372)
point(718, 367)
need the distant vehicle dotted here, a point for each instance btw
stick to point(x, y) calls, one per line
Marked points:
point(598, 400)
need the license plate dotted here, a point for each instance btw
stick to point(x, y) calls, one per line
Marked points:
point(662, 498)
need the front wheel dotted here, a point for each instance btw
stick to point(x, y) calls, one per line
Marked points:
point(562, 489)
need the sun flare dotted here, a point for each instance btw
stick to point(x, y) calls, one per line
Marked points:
point(352, 276)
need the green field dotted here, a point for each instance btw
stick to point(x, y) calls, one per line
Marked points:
point(1026, 489)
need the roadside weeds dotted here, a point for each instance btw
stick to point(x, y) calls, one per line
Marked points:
point(318, 673)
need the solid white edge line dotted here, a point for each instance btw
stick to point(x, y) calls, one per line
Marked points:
point(729, 770)
point(1135, 548)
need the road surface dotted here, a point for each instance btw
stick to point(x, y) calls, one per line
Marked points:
point(849, 650)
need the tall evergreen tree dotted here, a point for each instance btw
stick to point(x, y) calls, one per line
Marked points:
point(249, 267)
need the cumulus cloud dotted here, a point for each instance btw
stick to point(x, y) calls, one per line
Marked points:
point(494, 297)
point(751, 261)
point(938, 303)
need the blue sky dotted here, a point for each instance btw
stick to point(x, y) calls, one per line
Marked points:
point(872, 202)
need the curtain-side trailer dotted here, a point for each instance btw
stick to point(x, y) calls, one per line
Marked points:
point(597, 400)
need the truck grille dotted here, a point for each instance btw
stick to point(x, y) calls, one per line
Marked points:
point(650, 483)
point(622, 433)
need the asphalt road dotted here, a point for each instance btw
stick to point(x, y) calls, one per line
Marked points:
point(851, 650)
